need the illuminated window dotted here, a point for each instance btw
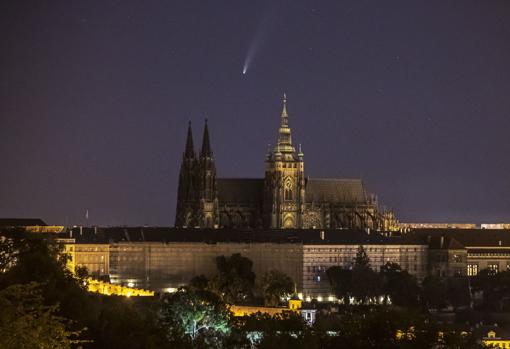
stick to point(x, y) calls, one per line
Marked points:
point(493, 267)
point(472, 269)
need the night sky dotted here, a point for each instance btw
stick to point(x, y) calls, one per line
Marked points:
point(95, 96)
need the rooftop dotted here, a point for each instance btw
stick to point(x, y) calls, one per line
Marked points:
point(302, 236)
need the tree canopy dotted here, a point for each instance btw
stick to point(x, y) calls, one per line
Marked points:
point(275, 285)
point(235, 280)
point(193, 315)
point(26, 322)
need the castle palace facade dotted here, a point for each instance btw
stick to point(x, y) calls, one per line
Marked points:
point(284, 199)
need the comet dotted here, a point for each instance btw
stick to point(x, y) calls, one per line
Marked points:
point(259, 38)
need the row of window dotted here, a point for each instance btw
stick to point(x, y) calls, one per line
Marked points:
point(489, 255)
point(90, 258)
point(322, 268)
point(354, 250)
point(347, 259)
point(472, 269)
point(91, 249)
point(286, 165)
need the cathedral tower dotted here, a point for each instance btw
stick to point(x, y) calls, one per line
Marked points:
point(284, 184)
point(208, 194)
point(187, 192)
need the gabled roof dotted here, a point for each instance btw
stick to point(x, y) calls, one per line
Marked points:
point(445, 243)
point(21, 222)
point(335, 190)
point(240, 190)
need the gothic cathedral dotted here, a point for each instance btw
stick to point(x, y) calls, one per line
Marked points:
point(283, 199)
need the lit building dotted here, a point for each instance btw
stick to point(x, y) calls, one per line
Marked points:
point(164, 259)
point(285, 198)
point(408, 226)
point(466, 251)
point(30, 225)
point(495, 337)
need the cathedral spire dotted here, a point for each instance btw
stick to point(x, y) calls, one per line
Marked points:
point(284, 144)
point(189, 152)
point(206, 146)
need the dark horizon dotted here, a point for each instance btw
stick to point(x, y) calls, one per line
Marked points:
point(96, 98)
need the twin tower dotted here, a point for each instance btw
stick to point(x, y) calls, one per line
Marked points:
point(276, 201)
point(197, 199)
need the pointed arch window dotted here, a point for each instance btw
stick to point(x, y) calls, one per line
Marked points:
point(288, 193)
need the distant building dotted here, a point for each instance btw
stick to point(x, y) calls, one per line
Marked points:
point(164, 259)
point(404, 226)
point(283, 199)
point(32, 225)
point(466, 251)
point(495, 337)
point(495, 226)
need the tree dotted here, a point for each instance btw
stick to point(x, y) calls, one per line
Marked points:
point(284, 330)
point(39, 258)
point(129, 323)
point(495, 288)
point(340, 280)
point(199, 282)
point(276, 285)
point(366, 283)
point(401, 287)
point(235, 279)
point(361, 259)
point(8, 253)
point(111, 322)
point(433, 292)
point(194, 315)
point(25, 322)
point(457, 291)
point(362, 327)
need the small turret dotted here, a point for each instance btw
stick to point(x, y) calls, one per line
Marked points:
point(300, 153)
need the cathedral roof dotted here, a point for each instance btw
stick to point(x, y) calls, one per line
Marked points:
point(335, 190)
point(240, 190)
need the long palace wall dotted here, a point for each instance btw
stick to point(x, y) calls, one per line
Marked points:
point(166, 266)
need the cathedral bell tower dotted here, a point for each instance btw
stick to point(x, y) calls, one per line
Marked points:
point(208, 198)
point(197, 196)
point(186, 215)
point(284, 185)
